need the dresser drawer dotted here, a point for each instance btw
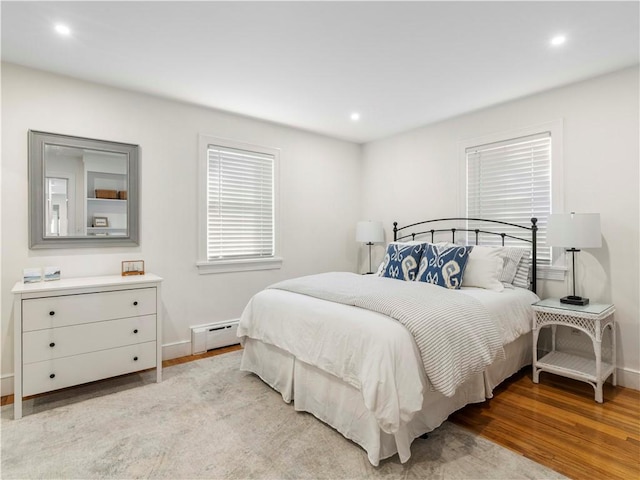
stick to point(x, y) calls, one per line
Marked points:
point(52, 312)
point(64, 372)
point(39, 345)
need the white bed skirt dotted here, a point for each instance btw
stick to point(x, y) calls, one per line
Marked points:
point(341, 405)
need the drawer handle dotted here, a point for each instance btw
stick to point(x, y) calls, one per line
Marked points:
point(135, 359)
point(135, 331)
point(52, 313)
point(135, 303)
point(52, 344)
point(53, 375)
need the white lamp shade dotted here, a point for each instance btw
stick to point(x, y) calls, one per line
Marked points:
point(369, 232)
point(574, 230)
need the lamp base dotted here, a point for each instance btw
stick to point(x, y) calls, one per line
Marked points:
point(574, 300)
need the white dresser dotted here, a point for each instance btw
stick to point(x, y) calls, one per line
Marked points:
point(78, 330)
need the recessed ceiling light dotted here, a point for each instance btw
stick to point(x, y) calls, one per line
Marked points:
point(558, 40)
point(355, 116)
point(63, 29)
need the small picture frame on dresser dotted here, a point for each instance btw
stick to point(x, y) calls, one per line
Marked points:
point(51, 273)
point(31, 275)
point(132, 267)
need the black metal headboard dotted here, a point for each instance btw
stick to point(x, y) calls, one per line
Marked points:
point(533, 229)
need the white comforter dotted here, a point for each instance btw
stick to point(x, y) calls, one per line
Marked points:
point(454, 333)
point(384, 364)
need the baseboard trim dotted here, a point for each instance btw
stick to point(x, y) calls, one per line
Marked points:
point(629, 378)
point(176, 349)
point(6, 384)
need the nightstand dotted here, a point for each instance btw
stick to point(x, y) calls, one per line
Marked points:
point(591, 319)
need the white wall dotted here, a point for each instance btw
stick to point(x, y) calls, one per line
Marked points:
point(414, 176)
point(319, 196)
point(326, 186)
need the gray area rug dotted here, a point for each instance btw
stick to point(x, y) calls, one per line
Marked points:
point(209, 420)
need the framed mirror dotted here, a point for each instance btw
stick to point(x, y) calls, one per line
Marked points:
point(82, 192)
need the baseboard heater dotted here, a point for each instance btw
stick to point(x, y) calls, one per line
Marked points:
point(214, 335)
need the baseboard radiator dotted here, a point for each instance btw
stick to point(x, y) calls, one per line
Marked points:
point(214, 335)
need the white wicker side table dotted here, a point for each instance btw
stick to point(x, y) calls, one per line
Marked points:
point(592, 319)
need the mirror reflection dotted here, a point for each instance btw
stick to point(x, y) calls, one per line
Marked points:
point(82, 192)
point(57, 222)
point(86, 192)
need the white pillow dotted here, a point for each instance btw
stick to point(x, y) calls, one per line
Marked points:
point(483, 269)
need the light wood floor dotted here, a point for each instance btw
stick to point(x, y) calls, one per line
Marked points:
point(555, 423)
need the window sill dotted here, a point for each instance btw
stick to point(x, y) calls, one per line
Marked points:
point(551, 272)
point(243, 265)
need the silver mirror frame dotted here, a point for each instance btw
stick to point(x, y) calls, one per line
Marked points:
point(37, 238)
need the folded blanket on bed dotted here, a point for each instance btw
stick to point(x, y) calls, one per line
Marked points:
point(454, 332)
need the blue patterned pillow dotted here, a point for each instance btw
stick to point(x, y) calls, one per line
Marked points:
point(401, 261)
point(443, 265)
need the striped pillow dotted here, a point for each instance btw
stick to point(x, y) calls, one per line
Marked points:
point(511, 258)
point(524, 271)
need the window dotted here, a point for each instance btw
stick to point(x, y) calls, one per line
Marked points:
point(238, 206)
point(510, 181)
point(512, 177)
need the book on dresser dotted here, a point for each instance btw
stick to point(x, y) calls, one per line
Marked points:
point(78, 330)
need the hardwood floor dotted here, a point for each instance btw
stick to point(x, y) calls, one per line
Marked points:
point(555, 423)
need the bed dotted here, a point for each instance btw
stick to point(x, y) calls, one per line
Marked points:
point(384, 361)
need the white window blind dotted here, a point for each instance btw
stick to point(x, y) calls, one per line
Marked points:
point(510, 181)
point(240, 204)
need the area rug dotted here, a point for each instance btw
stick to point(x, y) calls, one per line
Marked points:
point(207, 419)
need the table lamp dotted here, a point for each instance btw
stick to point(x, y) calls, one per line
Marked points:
point(369, 232)
point(574, 231)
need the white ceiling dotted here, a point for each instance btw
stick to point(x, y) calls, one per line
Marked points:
point(311, 64)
